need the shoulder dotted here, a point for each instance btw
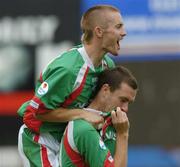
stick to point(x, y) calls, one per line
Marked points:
point(82, 132)
point(83, 124)
point(69, 59)
point(81, 127)
point(69, 62)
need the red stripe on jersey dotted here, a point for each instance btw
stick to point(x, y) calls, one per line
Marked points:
point(77, 92)
point(31, 122)
point(30, 115)
point(108, 122)
point(41, 78)
point(36, 138)
point(109, 162)
point(75, 157)
point(44, 155)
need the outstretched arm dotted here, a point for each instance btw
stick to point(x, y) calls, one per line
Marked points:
point(65, 115)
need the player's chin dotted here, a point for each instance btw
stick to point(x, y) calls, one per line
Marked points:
point(115, 53)
point(114, 50)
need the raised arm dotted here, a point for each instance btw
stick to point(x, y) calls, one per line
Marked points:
point(121, 124)
point(86, 139)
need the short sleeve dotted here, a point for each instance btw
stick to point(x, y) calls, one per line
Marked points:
point(56, 87)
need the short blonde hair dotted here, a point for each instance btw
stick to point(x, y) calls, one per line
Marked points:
point(91, 17)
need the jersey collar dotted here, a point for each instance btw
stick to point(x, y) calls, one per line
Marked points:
point(96, 111)
point(85, 57)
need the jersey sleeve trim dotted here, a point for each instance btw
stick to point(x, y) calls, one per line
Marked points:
point(35, 107)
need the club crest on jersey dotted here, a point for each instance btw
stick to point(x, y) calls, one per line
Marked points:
point(101, 144)
point(43, 89)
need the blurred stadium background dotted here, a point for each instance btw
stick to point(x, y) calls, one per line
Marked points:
point(34, 32)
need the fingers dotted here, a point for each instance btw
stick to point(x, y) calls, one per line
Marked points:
point(113, 114)
point(119, 115)
point(97, 121)
point(100, 119)
point(94, 118)
point(120, 120)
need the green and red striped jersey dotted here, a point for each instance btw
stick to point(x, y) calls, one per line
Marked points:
point(67, 81)
point(82, 145)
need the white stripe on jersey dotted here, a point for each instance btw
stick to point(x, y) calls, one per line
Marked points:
point(86, 58)
point(88, 61)
point(34, 104)
point(20, 147)
point(70, 136)
point(80, 76)
point(48, 141)
point(60, 154)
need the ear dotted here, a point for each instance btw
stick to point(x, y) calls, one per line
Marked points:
point(103, 93)
point(98, 31)
point(105, 89)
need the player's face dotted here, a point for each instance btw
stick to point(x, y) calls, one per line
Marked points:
point(120, 98)
point(113, 34)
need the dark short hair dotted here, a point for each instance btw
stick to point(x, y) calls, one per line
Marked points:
point(114, 77)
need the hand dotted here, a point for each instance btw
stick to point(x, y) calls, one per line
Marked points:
point(93, 118)
point(120, 121)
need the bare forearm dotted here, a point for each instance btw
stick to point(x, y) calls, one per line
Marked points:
point(61, 115)
point(65, 115)
point(120, 156)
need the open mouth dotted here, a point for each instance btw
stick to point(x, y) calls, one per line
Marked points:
point(118, 43)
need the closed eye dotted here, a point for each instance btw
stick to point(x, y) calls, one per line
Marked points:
point(124, 99)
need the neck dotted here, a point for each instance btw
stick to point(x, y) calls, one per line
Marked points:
point(96, 106)
point(95, 53)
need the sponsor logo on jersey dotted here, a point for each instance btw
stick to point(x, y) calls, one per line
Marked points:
point(110, 133)
point(80, 105)
point(43, 89)
point(34, 104)
point(101, 144)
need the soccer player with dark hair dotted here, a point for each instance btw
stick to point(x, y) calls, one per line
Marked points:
point(82, 145)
